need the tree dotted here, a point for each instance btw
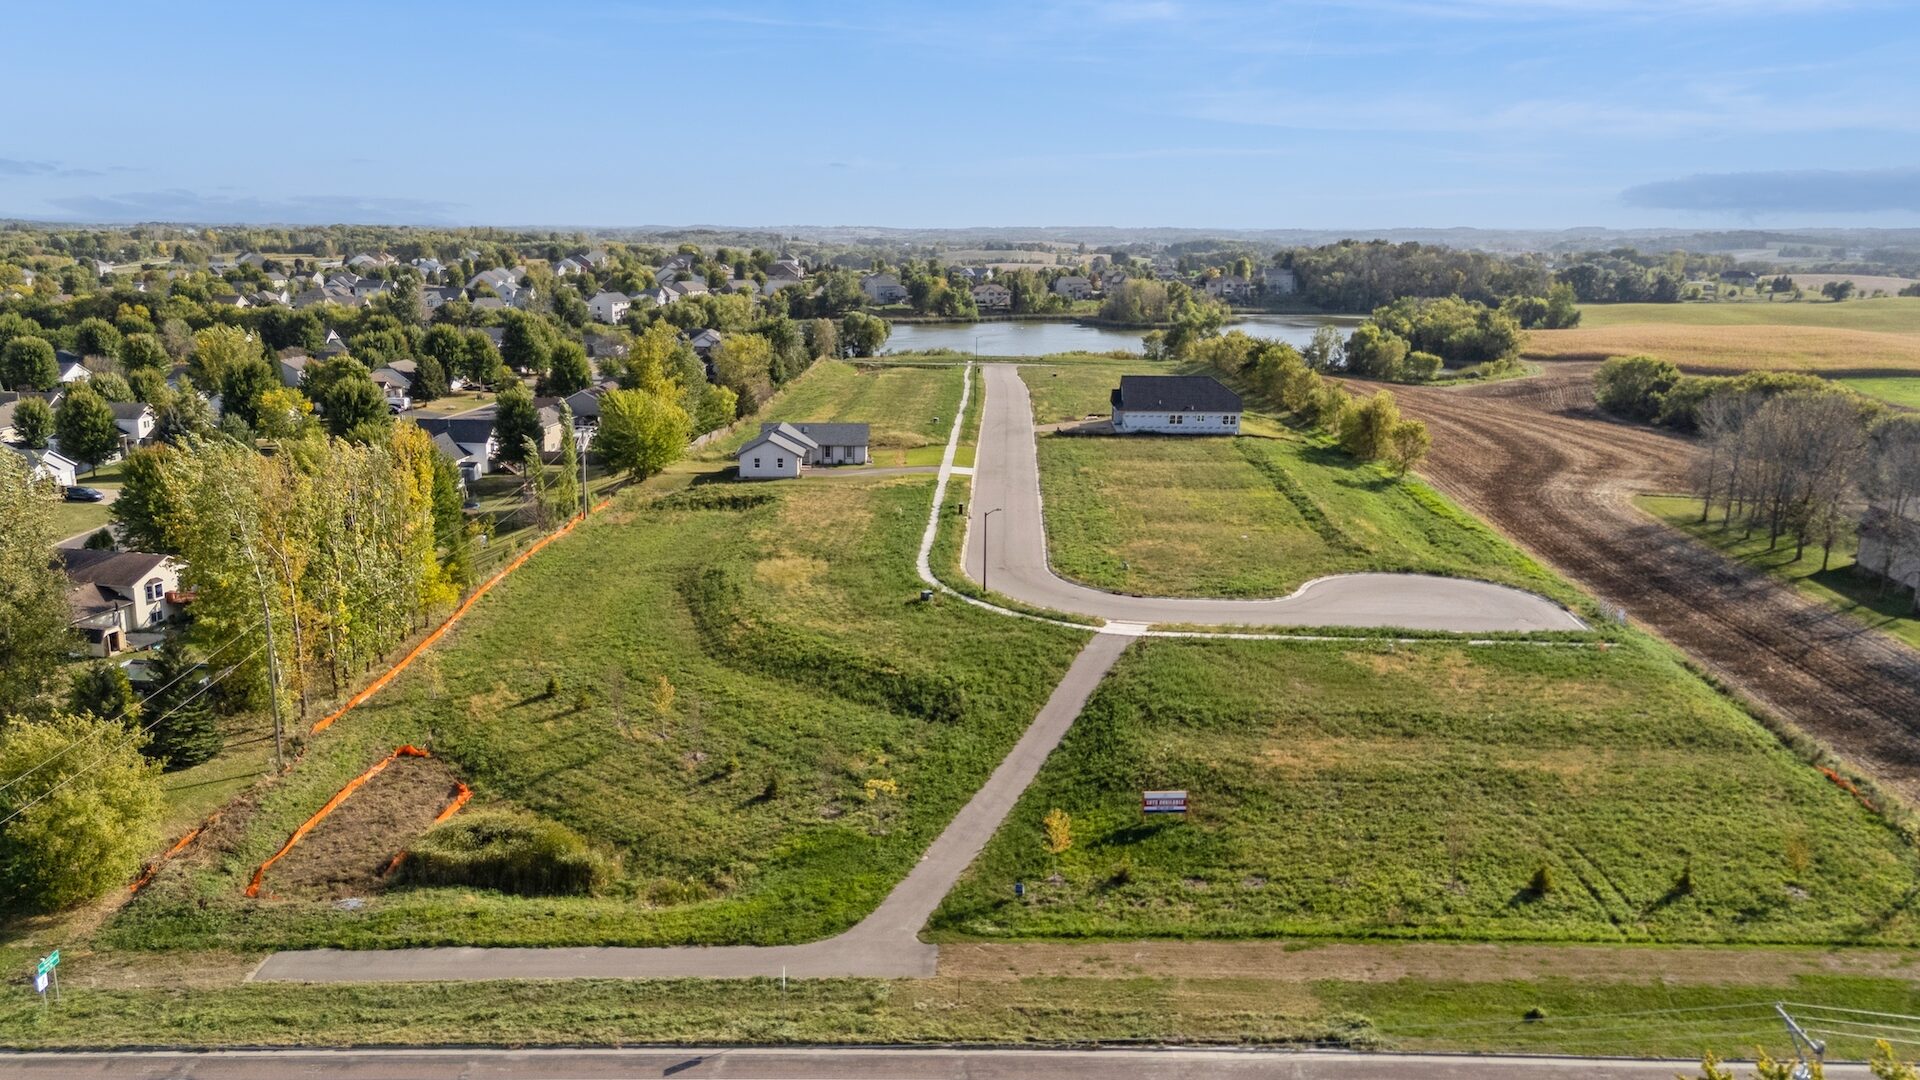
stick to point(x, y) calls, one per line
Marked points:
point(1059, 830)
point(450, 536)
point(33, 422)
point(84, 821)
point(563, 492)
point(863, 334)
point(28, 363)
point(1375, 352)
point(744, 364)
point(1365, 432)
point(149, 504)
point(351, 403)
point(186, 730)
point(111, 386)
point(1632, 386)
point(1326, 352)
point(640, 433)
point(430, 378)
point(97, 337)
point(718, 407)
point(216, 350)
point(85, 427)
point(1407, 444)
point(568, 371)
point(242, 383)
point(823, 338)
point(33, 605)
point(101, 689)
point(528, 343)
point(516, 421)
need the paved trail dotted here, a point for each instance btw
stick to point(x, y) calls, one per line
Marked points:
point(1007, 477)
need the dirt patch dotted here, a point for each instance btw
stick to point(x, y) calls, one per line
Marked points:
point(344, 855)
point(1538, 460)
point(790, 572)
point(1294, 961)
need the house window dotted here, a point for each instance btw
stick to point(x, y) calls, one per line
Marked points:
point(155, 591)
point(1227, 420)
point(1177, 418)
point(756, 463)
point(779, 463)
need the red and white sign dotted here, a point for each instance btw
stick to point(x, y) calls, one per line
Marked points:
point(1164, 802)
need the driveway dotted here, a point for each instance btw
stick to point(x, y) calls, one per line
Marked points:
point(1007, 476)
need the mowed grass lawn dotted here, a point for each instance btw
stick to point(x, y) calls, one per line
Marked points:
point(1063, 388)
point(1252, 517)
point(910, 408)
point(1852, 336)
point(753, 714)
point(1428, 790)
point(1842, 586)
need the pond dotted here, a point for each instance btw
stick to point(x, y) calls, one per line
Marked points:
point(1038, 337)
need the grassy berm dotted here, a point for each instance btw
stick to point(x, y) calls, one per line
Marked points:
point(1435, 790)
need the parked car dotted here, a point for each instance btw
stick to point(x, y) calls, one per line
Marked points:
point(85, 494)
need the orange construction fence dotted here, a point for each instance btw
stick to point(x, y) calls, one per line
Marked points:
point(353, 785)
point(461, 793)
point(153, 868)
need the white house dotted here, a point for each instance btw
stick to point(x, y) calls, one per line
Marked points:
point(49, 465)
point(782, 449)
point(395, 381)
point(71, 369)
point(466, 440)
point(1175, 405)
point(992, 297)
point(1230, 287)
point(883, 288)
point(660, 297)
point(570, 265)
point(609, 307)
point(1073, 287)
point(112, 594)
point(705, 341)
point(136, 421)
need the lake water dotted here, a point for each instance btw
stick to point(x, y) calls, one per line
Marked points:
point(1038, 337)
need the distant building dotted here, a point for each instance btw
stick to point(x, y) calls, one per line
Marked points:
point(1175, 405)
point(609, 307)
point(883, 288)
point(1073, 287)
point(113, 594)
point(992, 297)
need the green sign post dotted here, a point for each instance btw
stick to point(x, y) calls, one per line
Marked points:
point(46, 976)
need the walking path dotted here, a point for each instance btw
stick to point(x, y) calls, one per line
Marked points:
point(1007, 480)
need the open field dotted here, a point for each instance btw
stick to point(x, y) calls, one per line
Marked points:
point(1537, 460)
point(910, 408)
point(1866, 283)
point(760, 723)
point(1890, 315)
point(1064, 388)
point(1428, 791)
point(1842, 586)
point(1251, 517)
point(1903, 390)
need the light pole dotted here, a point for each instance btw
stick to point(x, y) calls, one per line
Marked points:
point(985, 546)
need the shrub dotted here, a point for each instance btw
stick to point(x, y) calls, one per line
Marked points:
point(84, 819)
point(1632, 386)
point(1542, 881)
point(509, 852)
point(1059, 828)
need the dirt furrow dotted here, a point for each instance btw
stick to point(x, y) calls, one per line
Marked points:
point(1534, 457)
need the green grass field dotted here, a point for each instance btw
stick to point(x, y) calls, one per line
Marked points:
point(1840, 587)
point(1073, 390)
point(1431, 790)
point(799, 667)
point(73, 518)
point(909, 407)
point(1895, 390)
point(1890, 314)
point(1252, 517)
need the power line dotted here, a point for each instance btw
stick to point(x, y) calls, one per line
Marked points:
point(96, 762)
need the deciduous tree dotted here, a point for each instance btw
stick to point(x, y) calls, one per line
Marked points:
point(85, 427)
point(640, 433)
point(84, 821)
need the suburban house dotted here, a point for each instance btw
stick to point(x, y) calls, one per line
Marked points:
point(1230, 287)
point(1175, 405)
point(1073, 287)
point(992, 297)
point(49, 465)
point(704, 342)
point(586, 414)
point(467, 440)
point(395, 380)
point(783, 448)
point(292, 362)
point(136, 421)
point(691, 287)
point(570, 265)
point(1883, 535)
point(661, 297)
point(597, 258)
point(1278, 280)
point(114, 594)
point(10, 401)
point(883, 288)
point(609, 307)
point(71, 368)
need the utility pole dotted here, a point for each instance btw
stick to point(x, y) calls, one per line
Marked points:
point(986, 546)
point(273, 662)
point(586, 499)
point(1804, 1045)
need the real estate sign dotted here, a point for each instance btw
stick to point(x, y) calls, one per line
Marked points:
point(1164, 802)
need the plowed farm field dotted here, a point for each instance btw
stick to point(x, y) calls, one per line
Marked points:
point(1537, 459)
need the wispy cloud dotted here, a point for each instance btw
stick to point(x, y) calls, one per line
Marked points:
point(179, 204)
point(1845, 191)
point(23, 167)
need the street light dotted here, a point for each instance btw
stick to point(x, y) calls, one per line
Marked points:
point(985, 547)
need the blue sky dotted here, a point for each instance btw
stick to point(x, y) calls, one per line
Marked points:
point(1202, 113)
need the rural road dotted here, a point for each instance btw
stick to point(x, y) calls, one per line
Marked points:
point(832, 1063)
point(1007, 477)
point(886, 944)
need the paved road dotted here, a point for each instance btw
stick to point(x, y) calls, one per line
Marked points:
point(1007, 475)
point(838, 1064)
point(885, 944)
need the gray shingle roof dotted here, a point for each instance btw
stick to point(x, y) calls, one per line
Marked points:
point(1175, 393)
point(822, 434)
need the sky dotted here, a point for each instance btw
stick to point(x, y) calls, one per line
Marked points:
point(1196, 113)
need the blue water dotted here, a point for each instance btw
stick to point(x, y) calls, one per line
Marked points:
point(1038, 337)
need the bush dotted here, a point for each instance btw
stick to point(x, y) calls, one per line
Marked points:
point(508, 852)
point(85, 819)
point(1633, 386)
